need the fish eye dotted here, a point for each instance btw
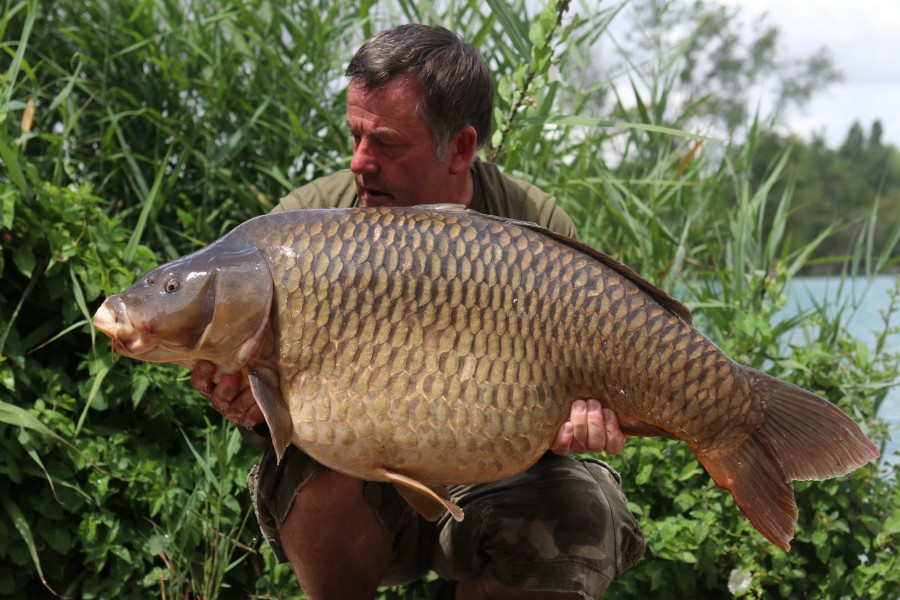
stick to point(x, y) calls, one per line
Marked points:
point(172, 284)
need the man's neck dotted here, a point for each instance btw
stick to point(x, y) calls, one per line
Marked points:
point(468, 188)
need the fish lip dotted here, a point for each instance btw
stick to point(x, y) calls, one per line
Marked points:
point(112, 320)
point(106, 320)
point(123, 345)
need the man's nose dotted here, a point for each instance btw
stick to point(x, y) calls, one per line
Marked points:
point(363, 160)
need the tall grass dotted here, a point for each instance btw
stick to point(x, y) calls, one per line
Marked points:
point(131, 133)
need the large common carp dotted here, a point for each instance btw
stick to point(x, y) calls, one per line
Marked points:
point(432, 346)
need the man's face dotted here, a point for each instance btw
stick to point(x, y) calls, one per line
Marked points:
point(393, 150)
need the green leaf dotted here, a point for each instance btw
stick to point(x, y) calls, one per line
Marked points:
point(24, 259)
point(822, 546)
point(24, 529)
point(58, 538)
point(205, 465)
point(19, 417)
point(891, 525)
point(8, 197)
point(12, 74)
point(92, 395)
point(10, 156)
point(689, 470)
point(579, 120)
point(537, 35)
point(37, 459)
point(148, 202)
point(644, 475)
point(512, 25)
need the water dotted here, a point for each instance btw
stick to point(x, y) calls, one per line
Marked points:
point(866, 300)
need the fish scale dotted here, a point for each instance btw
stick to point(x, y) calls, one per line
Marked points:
point(435, 346)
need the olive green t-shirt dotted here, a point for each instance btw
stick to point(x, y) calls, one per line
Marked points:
point(493, 193)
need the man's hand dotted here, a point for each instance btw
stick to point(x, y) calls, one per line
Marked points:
point(590, 428)
point(233, 403)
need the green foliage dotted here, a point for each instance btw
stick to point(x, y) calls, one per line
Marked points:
point(131, 133)
point(839, 187)
point(102, 493)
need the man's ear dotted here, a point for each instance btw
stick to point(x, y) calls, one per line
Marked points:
point(462, 150)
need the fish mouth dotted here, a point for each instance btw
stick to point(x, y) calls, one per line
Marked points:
point(112, 319)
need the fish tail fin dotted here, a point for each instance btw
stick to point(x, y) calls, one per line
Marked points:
point(802, 437)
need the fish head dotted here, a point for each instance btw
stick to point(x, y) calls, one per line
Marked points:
point(211, 305)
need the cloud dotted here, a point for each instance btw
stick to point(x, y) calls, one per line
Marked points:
point(863, 41)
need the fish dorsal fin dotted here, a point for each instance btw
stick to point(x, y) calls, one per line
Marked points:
point(264, 384)
point(666, 301)
point(430, 501)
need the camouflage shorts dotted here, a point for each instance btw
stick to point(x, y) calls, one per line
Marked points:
point(563, 525)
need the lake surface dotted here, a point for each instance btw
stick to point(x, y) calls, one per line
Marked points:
point(865, 300)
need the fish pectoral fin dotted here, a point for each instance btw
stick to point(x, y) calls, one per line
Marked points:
point(430, 501)
point(264, 384)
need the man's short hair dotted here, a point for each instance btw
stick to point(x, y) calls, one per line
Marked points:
point(456, 84)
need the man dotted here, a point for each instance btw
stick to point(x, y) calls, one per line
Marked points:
point(418, 108)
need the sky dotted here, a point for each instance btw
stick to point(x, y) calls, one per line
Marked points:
point(863, 38)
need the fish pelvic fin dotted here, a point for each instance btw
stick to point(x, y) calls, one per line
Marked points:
point(430, 501)
point(802, 437)
point(264, 384)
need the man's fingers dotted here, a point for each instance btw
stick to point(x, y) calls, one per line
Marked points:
point(563, 440)
point(235, 404)
point(223, 395)
point(251, 414)
point(201, 377)
point(615, 439)
point(578, 417)
point(594, 429)
point(595, 438)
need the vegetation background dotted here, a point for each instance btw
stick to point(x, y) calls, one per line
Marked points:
point(134, 132)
